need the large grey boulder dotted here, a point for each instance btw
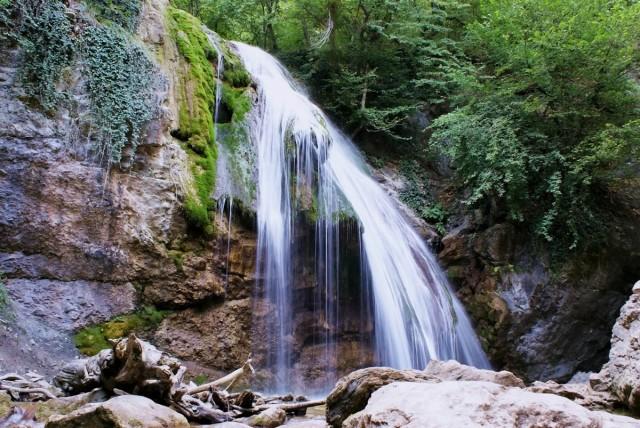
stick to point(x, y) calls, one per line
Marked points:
point(127, 411)
point(352, 392)
point(470, 404)
point(621, 375)
point(271, 418)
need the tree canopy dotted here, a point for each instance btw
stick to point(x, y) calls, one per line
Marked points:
point(536, 102)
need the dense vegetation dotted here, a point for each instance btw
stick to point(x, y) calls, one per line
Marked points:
point(118, 72)
point(534, 102)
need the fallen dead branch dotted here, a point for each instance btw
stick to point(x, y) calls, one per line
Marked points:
point(135, 367)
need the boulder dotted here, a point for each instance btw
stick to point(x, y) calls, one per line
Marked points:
point(127, 411)
point(621, 375)
point(224, 425)
point(271, 418)
point(475, 404)
point(581, 393)
point(453, 370)
point(352, 392)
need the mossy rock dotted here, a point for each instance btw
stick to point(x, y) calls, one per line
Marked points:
point(93, 339)
point(196, 112)
point(197, 92)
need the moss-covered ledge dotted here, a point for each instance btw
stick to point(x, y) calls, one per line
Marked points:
point(196, 110)
point(93, 339)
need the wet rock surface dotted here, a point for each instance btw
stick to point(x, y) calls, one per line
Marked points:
point(529, 314)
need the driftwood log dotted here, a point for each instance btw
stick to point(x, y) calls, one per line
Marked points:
point(31, 387)
point(134, 366)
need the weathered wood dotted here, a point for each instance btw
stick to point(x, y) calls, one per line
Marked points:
point(19, 390)
point(198, 411)
point(290, 407)
point(245, 399)
point(136, 367)
point(246, 369)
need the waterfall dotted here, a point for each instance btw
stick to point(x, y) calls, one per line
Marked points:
point(302, 156)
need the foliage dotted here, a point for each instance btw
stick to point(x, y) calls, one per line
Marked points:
point(372, 63)
point(549, 118)
point(121, 12)
point(119, 81)
point(119, 74)
point(200, 379)
point(416, 197)
point(44, 33)
point(91, 340)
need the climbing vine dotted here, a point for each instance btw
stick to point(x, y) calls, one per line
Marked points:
point(44, 32)
point(122, 12)
point(119, 80)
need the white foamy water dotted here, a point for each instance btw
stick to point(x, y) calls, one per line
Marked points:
point(300, 152)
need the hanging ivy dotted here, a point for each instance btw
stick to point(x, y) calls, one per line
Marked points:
point(119, 81)
point(125, 13)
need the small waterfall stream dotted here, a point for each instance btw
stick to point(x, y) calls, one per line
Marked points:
point(304, 159)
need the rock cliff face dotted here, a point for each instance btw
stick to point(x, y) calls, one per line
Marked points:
point(79, 243)
point(621, 374)
point(537, 316)
point(540, 319)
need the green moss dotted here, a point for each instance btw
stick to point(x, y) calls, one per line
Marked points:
point(178, 259)
point(238, 78)
point(200, 379)
point(91, 340)
point(237, 100)
point(196, 111)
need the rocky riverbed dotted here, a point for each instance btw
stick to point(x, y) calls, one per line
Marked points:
point(136, 385)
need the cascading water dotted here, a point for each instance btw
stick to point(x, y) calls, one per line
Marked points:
point(303, 156)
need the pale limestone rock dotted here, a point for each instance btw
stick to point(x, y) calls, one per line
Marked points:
point(475, 404)
point(453, 370)
point(128, 411)
point(352, 392)
point(271, 418)
point(621, 375)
